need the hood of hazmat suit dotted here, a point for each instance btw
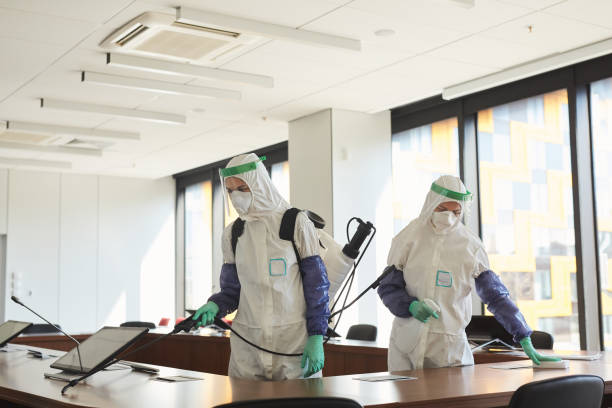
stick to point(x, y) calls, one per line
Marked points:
point(278, 305)
point(439, 258)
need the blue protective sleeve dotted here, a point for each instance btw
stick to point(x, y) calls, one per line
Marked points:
point(392, 292)
point(316, 287)
point(227, 299)
point(494, 294)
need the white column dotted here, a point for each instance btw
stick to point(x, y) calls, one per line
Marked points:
point(340, 167)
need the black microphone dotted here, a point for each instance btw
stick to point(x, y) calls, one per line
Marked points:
point(16, 300)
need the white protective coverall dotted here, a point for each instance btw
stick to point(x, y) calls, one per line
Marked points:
point(272, 307)
point(438, 263)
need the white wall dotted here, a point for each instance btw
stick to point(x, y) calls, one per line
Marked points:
point(89, 251)
point(3, 200)
point(341, 163)
point(310, 165)
point(361, 146)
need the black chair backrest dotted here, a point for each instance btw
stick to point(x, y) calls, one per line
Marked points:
point(584, 391)
point(138, 324)
point(322, 402)
point(41, 328)
point(542, 340)
point(362, 332)
point(484, 328)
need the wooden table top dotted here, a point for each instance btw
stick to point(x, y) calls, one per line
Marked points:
point(22, 381)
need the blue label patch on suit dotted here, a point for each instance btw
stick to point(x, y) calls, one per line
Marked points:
point(444, 279)
point(277, 267)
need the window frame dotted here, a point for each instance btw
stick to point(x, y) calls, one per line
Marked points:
point(276, 153)
point(576, 79)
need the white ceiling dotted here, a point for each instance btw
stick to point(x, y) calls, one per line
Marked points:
point(45, 44)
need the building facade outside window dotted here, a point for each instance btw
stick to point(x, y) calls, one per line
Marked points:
point(527, 217)
point(419, 156)
point(601, 130)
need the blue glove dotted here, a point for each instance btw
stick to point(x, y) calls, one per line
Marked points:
point(421, 311)
point(206, 314)
point(313, 355)
point(533, 354)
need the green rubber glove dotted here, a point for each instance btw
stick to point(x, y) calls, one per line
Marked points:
point(533, 354)
point(206, 314)
point(421, 311)
point(313, 355)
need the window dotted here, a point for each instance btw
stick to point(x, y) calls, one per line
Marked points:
point(198, 243)
point(601, 130)
point(279, 174)
point(527, 216)
point(419, 156)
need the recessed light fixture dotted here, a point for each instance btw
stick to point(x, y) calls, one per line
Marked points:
point(50, 149)
point(158, 86)
point(82, 133)
point(197, 110)
point(160, 117)
point(384, 32)
point(464, 3)
point(12, 162)
point(187, 70)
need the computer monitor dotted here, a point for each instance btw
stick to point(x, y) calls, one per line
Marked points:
point(485, 328)
point(99, 348)
point(11, 329)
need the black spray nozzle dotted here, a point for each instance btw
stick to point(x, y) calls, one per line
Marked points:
point(363, 230)
point(188, 324)
point(185, 325)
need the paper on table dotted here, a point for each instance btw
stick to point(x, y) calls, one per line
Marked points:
point(587, 357)
point(374, 378)
point(513, 365)
point(178, 378)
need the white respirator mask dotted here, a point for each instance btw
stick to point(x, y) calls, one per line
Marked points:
point(443, 220)
point(241, 200)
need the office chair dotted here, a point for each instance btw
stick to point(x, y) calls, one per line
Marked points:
point(365, 332)
point(138, 324)
point(308, 402)
point(542, 340)
point(584, 391)
point(41, 328)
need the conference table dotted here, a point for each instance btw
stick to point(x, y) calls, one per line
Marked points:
point(22, 385)
point(209, 351)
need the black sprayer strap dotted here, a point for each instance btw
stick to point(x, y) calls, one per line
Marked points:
point(237, 230)
point(287, 229)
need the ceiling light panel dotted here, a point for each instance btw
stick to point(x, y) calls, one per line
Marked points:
point(187, 70)
point(195, 17)
point(12, 162)
point(158, 117)
point(83, 133)
point(529, 69)
point(158, 86)
point(50, 149)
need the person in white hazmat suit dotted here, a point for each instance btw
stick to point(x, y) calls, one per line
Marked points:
point(435, 259)
point(280, 307)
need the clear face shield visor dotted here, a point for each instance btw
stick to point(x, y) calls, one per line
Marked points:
point(445, 195)
point(236, 172)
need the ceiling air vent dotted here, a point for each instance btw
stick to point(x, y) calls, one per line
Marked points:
point(157, 34)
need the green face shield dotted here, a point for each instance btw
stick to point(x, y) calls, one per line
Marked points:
point(454, 195)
